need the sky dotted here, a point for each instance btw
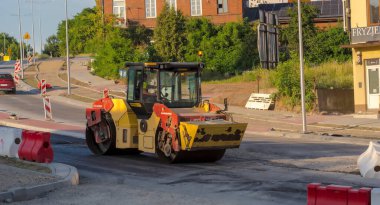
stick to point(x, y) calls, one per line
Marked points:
point(51, 12)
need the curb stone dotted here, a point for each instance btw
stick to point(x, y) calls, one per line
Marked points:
point(69, 174)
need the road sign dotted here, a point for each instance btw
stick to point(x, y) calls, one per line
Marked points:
point(26, 36)
point(7, 58)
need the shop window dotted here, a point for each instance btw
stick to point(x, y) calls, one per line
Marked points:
point(150, 8)
point(373, 7)
point(222, 6)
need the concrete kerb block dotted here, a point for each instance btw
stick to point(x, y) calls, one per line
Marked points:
point(69, 174)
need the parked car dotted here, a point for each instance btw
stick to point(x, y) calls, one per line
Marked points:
point(7, 83)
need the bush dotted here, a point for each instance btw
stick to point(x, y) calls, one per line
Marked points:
point(287, 81)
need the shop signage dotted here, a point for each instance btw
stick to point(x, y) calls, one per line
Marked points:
point(365, 34)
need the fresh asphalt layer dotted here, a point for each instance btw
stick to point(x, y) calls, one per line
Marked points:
point(256, 173)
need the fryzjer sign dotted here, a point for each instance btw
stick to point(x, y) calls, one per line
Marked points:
point(365, 34)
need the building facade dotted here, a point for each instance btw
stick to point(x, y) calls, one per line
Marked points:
point(365, 43)
point(146, 12)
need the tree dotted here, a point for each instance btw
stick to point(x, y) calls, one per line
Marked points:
point(11, 44)
point(83, 28)
point(169, 35)
point(113, 55)
point(52, 46)
point(289, 35)
point(233, 49)
point(198, 33)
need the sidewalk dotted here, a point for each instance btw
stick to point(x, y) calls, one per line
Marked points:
point(44, 126)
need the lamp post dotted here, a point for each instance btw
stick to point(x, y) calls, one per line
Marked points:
point(21, 49)
point(67, 54)
point(34, 42)
point(302, 80)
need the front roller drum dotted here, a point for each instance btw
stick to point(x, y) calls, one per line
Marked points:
point(101, 138)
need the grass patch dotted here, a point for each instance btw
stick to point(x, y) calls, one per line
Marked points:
point(31, 80)
point(24, 165)
point(79, 98)
point(332, 75)
point(74, 81)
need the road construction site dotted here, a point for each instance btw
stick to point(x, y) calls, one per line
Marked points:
point(273, 165)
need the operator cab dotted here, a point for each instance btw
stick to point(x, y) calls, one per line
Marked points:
point(176, 85)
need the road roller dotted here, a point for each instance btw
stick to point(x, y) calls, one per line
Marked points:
point(164, 114)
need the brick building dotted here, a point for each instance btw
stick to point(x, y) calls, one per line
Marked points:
point(146, 11)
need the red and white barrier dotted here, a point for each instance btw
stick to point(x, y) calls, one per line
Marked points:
point(17, 69)
point(43, 87)
point(106, 93)
point(341, 195)
point(47, 108)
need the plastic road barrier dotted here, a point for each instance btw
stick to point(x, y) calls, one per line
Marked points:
point(369, 161)
point(36, 147)
point(337, 195)
point(10, 139)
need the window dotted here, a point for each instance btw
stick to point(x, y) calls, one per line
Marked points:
point(373, 12)
point(119, 10)
point(172, 4)
point(150, 8)
point(196, 7)
point(222, 6)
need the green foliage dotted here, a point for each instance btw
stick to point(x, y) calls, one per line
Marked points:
point(10, 43)
point(52, 46)
point(198, 32)
point(113, 55)
point(319, 45)
point(169, 35)
point(232, 50)
point(327, 46)
point(139, 34)
point(86, 30)
point(287, 81)
point(332, 75)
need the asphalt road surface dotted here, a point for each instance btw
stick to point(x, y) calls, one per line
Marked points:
point(257, 173)
point(29, 104)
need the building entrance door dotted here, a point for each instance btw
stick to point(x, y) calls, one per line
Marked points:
point(373, 86)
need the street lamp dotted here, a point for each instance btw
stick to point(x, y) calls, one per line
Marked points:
point(21, 50)
point(304, 126)
point(34, 42)
point(67, 54)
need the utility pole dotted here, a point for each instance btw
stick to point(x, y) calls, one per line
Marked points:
point(21, 49)
point(67, 54)
point(4, 44)
point(302, 79)
point(34, 42)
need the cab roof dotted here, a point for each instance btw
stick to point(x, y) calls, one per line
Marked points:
point(168, 65)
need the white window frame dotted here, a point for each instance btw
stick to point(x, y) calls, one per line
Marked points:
point(170, 3)
point(119, 9)
point(195, 12)
point(150, 9)
point(224, 8)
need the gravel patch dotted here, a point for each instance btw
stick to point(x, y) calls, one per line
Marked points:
point(16, 173)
